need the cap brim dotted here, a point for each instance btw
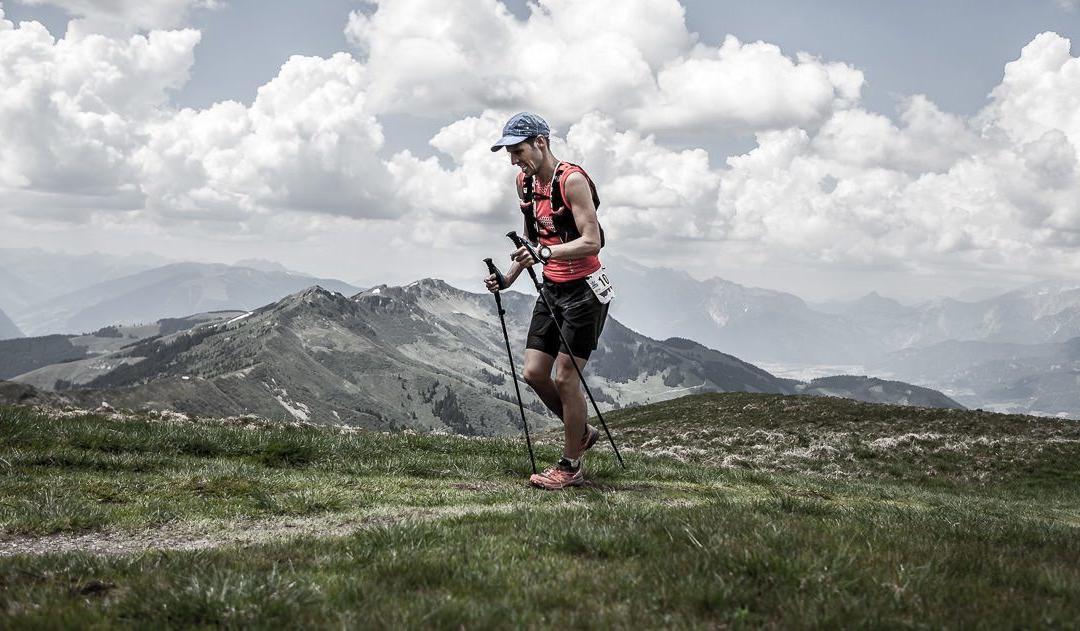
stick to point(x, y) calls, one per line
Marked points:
point(506, 141)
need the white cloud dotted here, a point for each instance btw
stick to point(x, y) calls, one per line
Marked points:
point(634, 60)
point(1039, 92)
point(647, 191)
point(929, 140)
point(117, 16)
point(747, 85)
point(998, 191)
point(307, 143)
point(88, 116)
point(69, 108)
point(477, 188)
point(310, 142)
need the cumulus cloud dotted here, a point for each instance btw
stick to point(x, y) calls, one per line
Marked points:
point(115, 16)
point(307, 143)
point(647, 191)
point(89, 116)
point(89, 113)
point(1039, 92)
point(928, 140)
point(632, 59)
point(829, 182)
point(69, 108)
point(998, 190)
point(747, 85)
point(477, 187)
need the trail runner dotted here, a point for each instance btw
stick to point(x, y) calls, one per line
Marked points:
point(559, 202)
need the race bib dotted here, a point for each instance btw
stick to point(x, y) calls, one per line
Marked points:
point(601, 286)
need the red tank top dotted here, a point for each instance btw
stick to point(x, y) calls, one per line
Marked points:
point(558, 270)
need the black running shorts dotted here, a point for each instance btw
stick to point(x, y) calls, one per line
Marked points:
point(577, 312)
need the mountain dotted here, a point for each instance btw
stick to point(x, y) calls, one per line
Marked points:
point(881, 318)
point(24, 355)
point(874, 390)
point(1002, 352)
point(769, 326)
point(8, 330)
point(264, 265)
point(31, 275)
point(872, 304)
point(174, 290)
point(15, 293)
point(758, 324)
point(49, 360)
point(426, 356)
point(1042, 312)
point(1039, 379)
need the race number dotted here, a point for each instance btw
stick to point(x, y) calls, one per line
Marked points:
point(601, 286)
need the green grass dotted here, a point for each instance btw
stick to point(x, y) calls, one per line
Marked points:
point(783, 512)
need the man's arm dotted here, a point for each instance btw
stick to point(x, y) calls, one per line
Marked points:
point(578, 196)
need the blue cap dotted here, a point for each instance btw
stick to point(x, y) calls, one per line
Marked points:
point(521, 127)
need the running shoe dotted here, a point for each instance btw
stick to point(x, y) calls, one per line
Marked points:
point(559, 476)
point(591, 436)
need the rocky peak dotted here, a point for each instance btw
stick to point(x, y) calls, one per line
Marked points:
point(315, 292)
point(314, 296)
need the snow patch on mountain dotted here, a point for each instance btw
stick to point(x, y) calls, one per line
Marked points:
point(299, 411)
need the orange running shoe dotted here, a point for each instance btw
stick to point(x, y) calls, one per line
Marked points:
point(590, 438)
point(559, 477)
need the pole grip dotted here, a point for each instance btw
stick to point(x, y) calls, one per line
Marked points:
point(513, 236)
point(492, 269)
point(522, 243)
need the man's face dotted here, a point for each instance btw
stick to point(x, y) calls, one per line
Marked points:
point(526, 155)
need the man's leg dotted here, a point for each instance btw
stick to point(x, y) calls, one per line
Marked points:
point(537, 374)
point(575, 412)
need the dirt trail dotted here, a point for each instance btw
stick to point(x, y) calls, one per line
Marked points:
point(214, 534)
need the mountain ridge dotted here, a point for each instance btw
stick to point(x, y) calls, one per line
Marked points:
point(425, 355)
point(174, 290)
point(8, 329)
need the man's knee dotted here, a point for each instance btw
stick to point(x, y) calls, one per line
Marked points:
point(566, 379)
point(535, 375)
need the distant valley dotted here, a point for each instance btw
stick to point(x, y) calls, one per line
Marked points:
point(878, 335)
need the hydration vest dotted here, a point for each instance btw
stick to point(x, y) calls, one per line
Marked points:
point(564, 227)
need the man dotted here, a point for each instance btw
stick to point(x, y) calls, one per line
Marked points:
point(559, 201)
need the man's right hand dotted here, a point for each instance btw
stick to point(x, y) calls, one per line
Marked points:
point(491, 283)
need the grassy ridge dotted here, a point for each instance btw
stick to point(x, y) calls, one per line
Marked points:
point(972, 451)
point(821, 530)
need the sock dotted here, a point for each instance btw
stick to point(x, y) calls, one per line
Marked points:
point(570, 463)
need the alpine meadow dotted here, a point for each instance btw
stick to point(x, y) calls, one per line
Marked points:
point(736, 510)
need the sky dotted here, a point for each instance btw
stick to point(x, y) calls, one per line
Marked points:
point(824, 148)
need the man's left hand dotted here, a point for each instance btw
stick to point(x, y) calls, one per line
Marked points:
point(522, 257)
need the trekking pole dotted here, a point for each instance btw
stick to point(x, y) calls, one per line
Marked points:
point(521, 243)
point(513, 371)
